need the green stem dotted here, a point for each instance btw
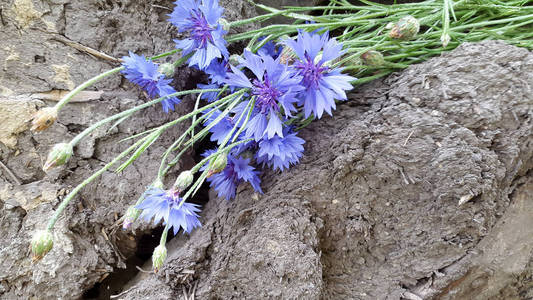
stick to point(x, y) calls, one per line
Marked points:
point(163, 239)
point(90, 129)
point(163, 168)
point(85, 85)
point(493, 22)
point(204, 174)
point(218, 118)
point(73, 193)
point(97, 78)
point(182, 60)
point(162, 128)
point(446, 22)
point(250, 105)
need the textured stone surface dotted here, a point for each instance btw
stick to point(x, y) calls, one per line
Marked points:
point(41, 39)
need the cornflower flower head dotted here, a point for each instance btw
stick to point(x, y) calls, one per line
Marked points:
point(145, 74)
point(280, 152)
point(200, 18)
point(164, 205)
point(237, 170)
point(275, 87)
point(323, 84)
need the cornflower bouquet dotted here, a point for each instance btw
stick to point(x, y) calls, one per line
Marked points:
point(255, 102)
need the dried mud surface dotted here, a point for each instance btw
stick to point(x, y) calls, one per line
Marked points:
point(373, 212)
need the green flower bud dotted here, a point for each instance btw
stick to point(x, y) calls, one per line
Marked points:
point(373, 58)
point(184, 180)
point(158, 257)
point(166, 69)
point(58, 156)
point(405, 29)
point(41, 243)
point(225, 24)
point(219, 164)
point(44, 118)
point(130, 217)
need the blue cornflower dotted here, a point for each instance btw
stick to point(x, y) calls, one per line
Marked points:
point(323, 84)
point(206, 36)
point(275, 87)
point(237, 171)
point(145, 74)
point(157, 204)
point(280, 152)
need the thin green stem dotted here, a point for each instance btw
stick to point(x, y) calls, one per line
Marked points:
point(97, 78)
point(446, 22)
point(248, 115)
point(85, 85)
point(73, 193)
point(217, 119)
point(228, 136)
point(203, 162)
point(153, 136)
point(163, 168)
point(90, 129)
point(163, 239)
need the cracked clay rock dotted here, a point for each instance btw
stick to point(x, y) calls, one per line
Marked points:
point(418, 188)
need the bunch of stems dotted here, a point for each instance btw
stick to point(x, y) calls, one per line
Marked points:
point(444, 24)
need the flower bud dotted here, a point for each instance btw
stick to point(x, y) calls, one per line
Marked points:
point(58, 156)
point(44, 118)
point(225, 24)
point(158, 257)
point(184, 180)
point(166, 69)
point(445, 39)
point(219, 164)
point(130, 217)
point(405, 29)
point(373, 58)
point(41, 243)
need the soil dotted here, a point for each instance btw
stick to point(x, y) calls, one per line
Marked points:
point(418, 188)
